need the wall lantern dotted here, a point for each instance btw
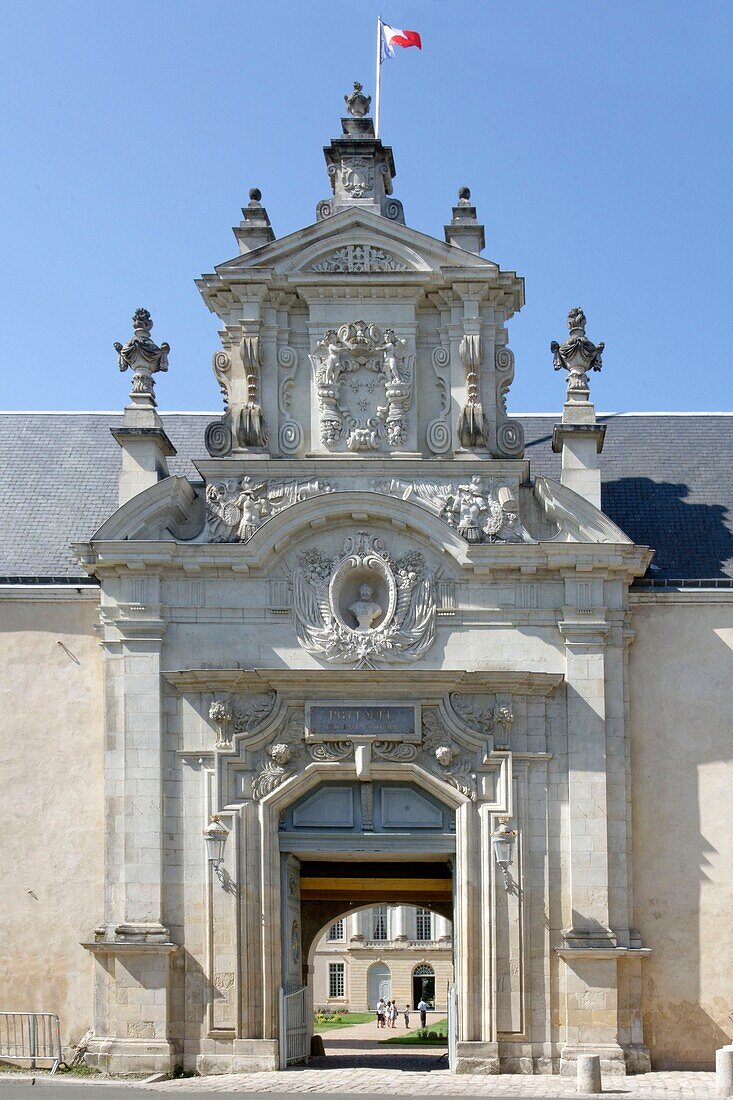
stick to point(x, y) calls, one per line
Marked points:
point(215, 835)
point(502, 840)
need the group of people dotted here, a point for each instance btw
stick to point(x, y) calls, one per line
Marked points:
point(387, 1013)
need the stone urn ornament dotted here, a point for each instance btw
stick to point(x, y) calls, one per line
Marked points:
point(578, 355)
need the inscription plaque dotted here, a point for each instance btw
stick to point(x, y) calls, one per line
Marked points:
point(374, 723)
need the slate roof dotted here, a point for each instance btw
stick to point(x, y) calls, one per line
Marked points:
point(666, 482)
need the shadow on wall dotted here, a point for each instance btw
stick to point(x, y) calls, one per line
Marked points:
point(691, 539)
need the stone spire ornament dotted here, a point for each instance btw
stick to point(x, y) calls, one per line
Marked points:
point(358, 104)
point(577, 356)
point(360, 168)
point(144, 358)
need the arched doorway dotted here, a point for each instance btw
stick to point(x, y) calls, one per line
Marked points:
point(379, 984)
point(423, 985)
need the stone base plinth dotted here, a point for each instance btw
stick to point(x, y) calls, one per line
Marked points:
point(245, 1056)
point(121, 1056)
point(612, 1058)
point(477, 1058)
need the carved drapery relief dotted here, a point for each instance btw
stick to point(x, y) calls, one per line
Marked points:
point(362, 607)
point(482, 510)
point(438, 433)
point(472, 430)
point(251, 429)
point(237, 507)
point(356, 258)
point(290, 435)
point(354, 369)
point(509, 433)
point(577, 356)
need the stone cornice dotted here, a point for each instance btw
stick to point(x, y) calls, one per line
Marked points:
point(342, 683)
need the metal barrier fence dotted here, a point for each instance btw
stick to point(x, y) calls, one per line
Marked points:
point(293, 1027)
point(30, 1037)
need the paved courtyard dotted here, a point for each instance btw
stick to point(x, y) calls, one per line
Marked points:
point(357, 1062)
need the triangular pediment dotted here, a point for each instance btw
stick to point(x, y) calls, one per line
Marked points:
point(357, 242)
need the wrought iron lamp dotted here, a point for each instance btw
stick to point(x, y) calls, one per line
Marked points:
point(215, 836)
point(502, 841)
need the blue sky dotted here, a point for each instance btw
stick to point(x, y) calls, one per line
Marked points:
point(595, 138)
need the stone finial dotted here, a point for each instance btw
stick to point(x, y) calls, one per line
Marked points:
point(577, 356)
point(144, 358)
point(358, 104)
point(465, 231)
point(254, 230)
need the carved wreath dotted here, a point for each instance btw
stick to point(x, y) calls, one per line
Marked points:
point(399, 629)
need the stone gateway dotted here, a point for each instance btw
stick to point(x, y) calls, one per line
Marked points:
point(343, 646)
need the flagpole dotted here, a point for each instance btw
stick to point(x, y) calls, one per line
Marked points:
point(379, 75)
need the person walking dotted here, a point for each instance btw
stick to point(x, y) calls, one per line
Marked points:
point(393, 1014)
point(406, 1014)
point(423, 1008)
point(381, 1009)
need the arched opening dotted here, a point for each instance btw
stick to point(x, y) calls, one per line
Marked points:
point(367, 874)
point(423, 986)
point(379, 985)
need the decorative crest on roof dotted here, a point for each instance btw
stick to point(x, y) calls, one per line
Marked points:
point(577, 356)
point(144, 358)
point(358, 104)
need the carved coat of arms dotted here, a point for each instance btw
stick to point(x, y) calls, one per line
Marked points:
point(363, 380)
point(357, 176)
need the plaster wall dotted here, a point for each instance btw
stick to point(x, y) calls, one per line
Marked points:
point(51, 809)
point(681, 667)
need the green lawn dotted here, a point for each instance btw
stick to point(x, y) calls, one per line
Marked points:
point(347, 1019)
point(421, 1037)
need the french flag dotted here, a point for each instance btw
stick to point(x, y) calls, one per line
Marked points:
point(393, 36)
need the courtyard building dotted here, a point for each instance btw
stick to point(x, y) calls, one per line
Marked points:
point(361, 646)
point(392, 952)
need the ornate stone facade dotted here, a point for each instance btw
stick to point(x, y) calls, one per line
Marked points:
point(363, 638)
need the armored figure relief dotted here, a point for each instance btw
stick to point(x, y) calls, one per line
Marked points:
point(236, 509)
point(480, 510)
point(577, 355)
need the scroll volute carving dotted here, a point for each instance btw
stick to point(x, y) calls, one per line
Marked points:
point(472, 428)
point(243, 424)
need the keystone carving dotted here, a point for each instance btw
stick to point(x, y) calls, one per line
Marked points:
point(378, 368)
point(144, 358)
point(577, 356)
